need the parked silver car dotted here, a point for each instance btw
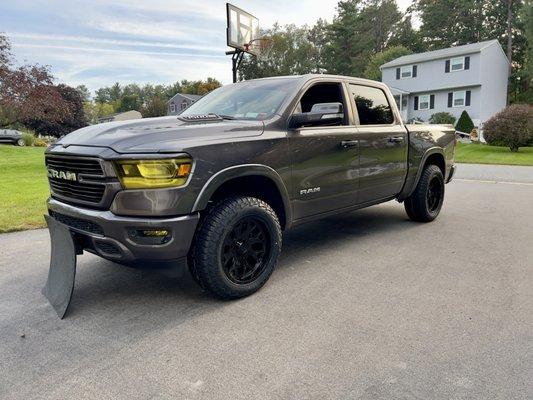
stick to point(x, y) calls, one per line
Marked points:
point(11, 136)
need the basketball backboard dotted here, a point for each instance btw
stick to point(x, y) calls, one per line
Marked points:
point(242, 30)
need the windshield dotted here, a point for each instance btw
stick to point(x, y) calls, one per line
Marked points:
point(256, 100)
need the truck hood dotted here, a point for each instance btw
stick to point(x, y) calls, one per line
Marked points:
point(164, 134)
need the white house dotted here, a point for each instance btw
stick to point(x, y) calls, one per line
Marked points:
point(472, 77)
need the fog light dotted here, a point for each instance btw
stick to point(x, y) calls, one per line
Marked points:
point(150, 236)
point(154, 233)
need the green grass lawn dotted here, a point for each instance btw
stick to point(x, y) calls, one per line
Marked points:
point(23, 188)
point(484, 154)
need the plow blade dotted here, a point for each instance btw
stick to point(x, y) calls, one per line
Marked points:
point(62, 273)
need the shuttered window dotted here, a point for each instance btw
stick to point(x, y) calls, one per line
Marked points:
point(423, 102)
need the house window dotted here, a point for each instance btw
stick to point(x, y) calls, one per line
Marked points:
point(459, 98)
point(457, 63)
point(423, 102)
point(407, 72)
point(172, 107)
point(184, 104)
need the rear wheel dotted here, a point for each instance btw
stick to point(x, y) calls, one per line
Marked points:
point(21, 143)
point(425, 202)
point(236, 248)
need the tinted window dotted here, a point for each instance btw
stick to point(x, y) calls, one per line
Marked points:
point(372, 105)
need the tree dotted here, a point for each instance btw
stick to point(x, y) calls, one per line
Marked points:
point(512, 127)
point(128, 102)
point(404, 35)
point(372, 70)
point(155, 107)
point(29, 97)
point(447, 23)
point(291, 53)
point(84, 92)
point(5, 51)
point(360, 29)
point(209, 85)
point(73, 119)
point(317, 37)
point(94, 110)
point(523, 90)
point(464, 124)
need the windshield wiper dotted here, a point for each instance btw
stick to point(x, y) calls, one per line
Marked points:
point(229, 117)
point(205, 117)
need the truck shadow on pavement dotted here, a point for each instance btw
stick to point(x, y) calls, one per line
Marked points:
point(104, 287)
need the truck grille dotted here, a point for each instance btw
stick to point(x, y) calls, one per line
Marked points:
point(87, 187)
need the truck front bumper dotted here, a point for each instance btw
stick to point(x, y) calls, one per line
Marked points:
point(127, 240)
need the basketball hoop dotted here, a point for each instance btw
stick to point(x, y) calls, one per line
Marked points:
point(259, 47)
point(242, 34)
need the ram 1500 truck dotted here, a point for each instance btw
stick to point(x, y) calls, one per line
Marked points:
point(214, 187)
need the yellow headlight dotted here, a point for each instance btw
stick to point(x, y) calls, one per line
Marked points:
point(141, 174)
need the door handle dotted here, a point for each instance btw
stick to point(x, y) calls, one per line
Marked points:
point(396, 139)
point(349, 143)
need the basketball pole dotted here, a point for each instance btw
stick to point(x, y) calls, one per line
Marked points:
point(236, 58)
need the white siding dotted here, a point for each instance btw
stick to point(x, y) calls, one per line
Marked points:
point(431, 75)
point(441, 104)
point(494, 79)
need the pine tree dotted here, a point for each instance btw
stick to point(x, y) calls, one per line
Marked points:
point(464, 124)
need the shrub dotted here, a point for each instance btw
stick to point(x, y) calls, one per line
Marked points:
point(40, 143)
point(442, 118)
point(29, 138)
point(512, 127)
point(465, 123)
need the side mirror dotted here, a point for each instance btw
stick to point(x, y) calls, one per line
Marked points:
point(320, 114)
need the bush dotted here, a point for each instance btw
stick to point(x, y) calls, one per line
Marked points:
point(29, 138)
point(442, 118)
point(465, 123)
point(512, 127)
point(40, 143)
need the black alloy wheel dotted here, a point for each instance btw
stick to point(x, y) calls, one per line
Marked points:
point(434, 194)
point(245, 250)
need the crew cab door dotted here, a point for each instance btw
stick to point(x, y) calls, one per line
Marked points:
point(324, 158)
point(383, 143)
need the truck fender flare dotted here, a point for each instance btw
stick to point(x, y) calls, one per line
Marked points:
point(429, 152)
point(238, 171)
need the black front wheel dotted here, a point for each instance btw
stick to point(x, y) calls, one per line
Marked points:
point(236, 247)
point(425, 202)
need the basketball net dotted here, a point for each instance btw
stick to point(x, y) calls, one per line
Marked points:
point(259, 47)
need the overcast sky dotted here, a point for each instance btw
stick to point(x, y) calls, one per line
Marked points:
point(98, 42)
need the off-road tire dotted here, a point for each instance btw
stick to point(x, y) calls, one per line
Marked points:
point(425, 202)
point(217, 229)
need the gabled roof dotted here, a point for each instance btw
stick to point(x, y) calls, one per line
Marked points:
point(442, 53)
point(192, 97)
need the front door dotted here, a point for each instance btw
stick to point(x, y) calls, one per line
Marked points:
point(325, 159)
point(383, 144)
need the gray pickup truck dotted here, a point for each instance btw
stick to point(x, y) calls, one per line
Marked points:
point(215, 187)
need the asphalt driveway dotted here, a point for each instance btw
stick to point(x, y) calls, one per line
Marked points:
point(362, 306)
